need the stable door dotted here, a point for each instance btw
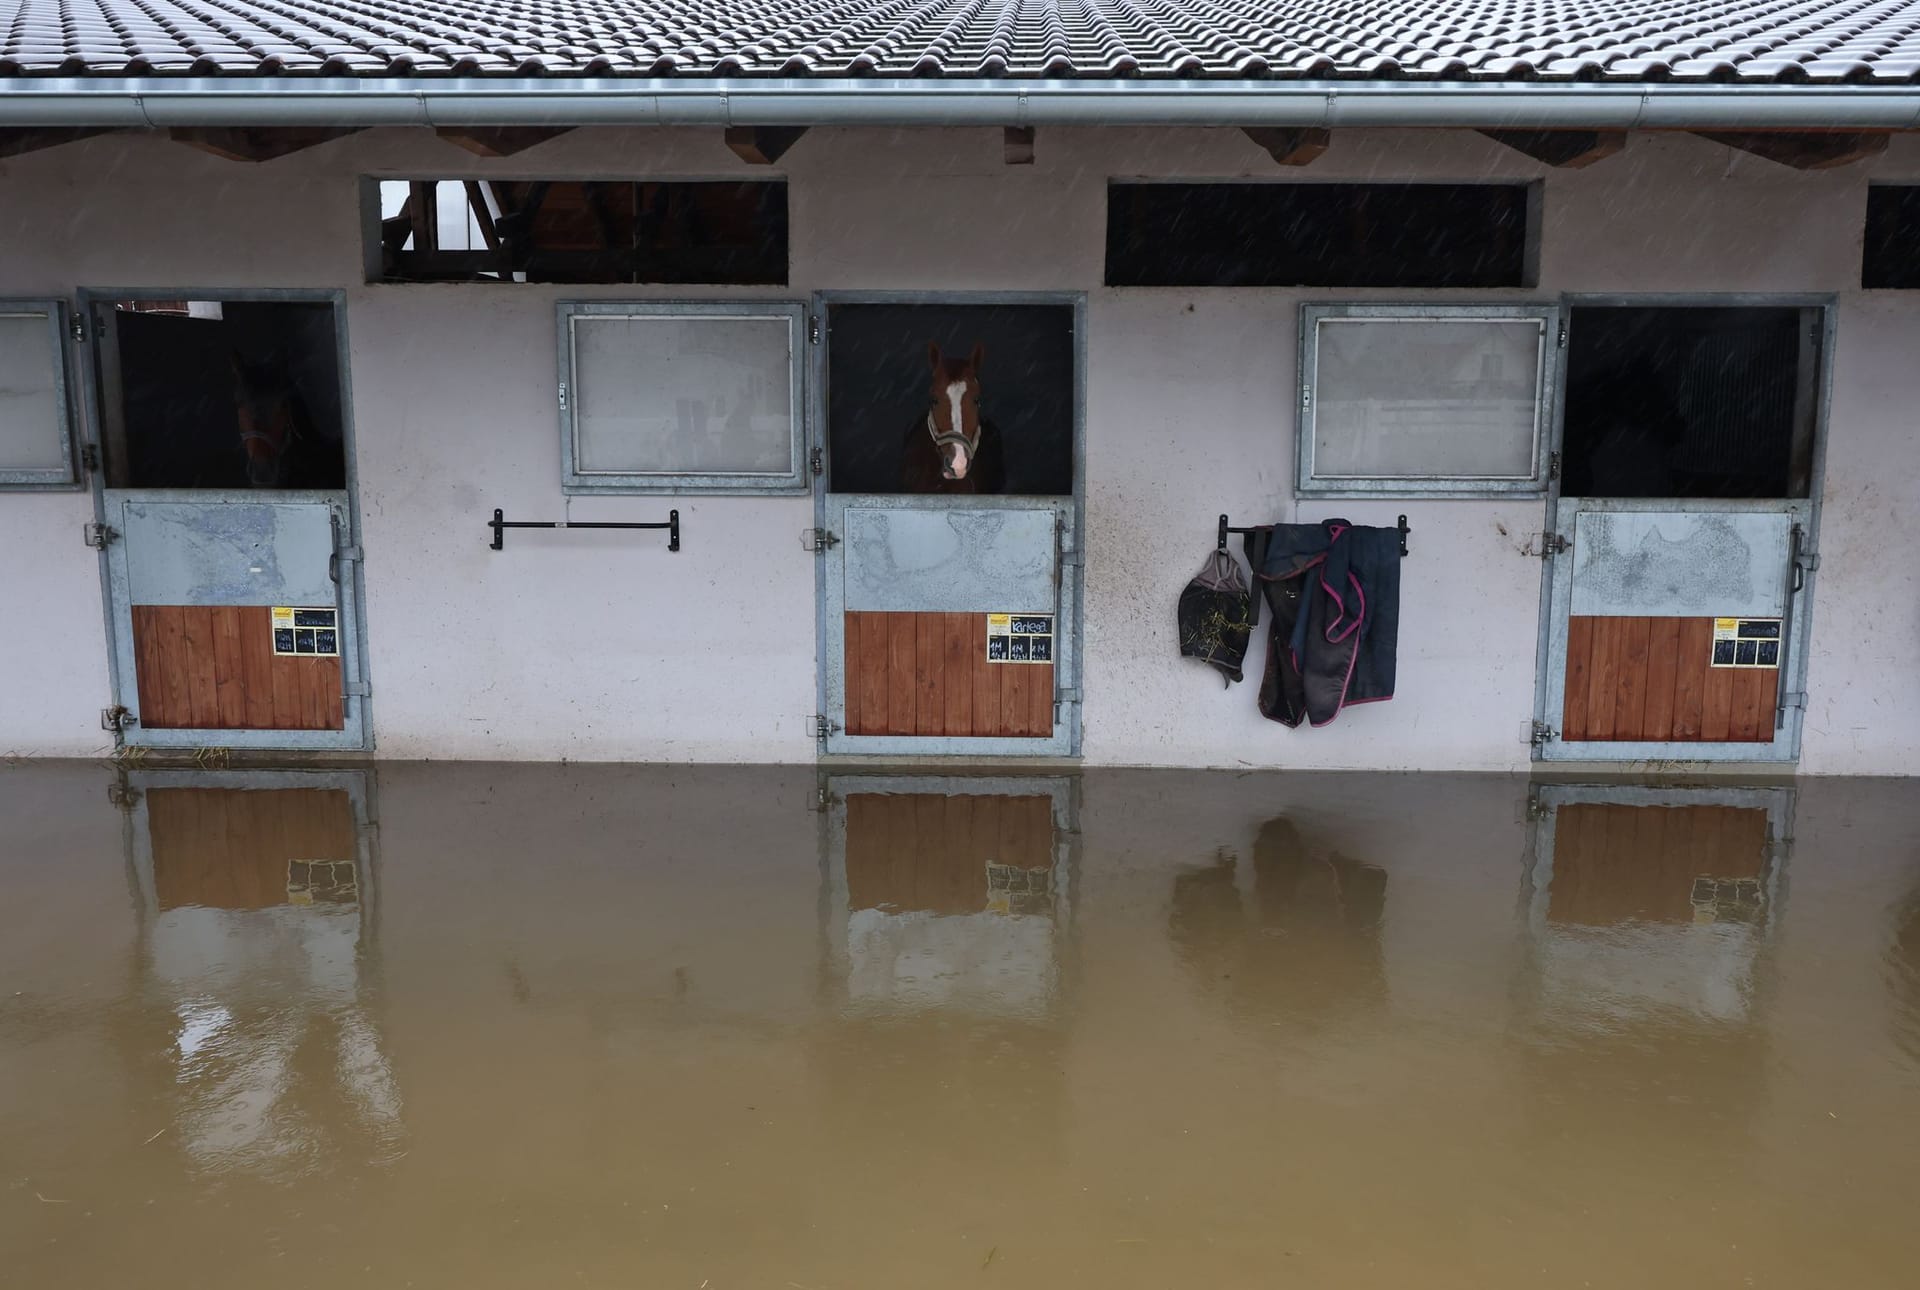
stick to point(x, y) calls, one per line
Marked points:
point(226, 524)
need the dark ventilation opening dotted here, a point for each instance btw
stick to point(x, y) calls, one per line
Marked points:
point(1892, 256)
point(221, 394)
point(1319, 235)
point(715, 233)
point(880, 390)
point(1690, 402)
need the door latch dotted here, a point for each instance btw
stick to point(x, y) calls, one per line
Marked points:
point(100, 536)
point(823, 728)
point(1552, 544)
point(1540, 733)
point(818, 540)
point(117, 718)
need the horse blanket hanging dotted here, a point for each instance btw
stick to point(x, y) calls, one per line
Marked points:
point(1334, 589)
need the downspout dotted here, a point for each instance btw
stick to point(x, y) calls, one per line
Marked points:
point(158, 101)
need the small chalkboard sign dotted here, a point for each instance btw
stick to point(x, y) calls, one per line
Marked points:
point(1019, 638)
point(306, 632)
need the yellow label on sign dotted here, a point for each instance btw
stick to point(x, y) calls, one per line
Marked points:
point(283, 615)
point(1000, 623)
point(1726, 624)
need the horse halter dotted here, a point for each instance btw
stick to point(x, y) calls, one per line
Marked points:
point(940, 440)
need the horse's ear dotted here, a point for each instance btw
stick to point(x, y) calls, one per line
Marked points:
point(933, 354)
point(978, 356)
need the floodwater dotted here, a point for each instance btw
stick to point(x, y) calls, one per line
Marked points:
point(511, 1026)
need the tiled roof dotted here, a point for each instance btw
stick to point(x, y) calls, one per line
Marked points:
point(1875, 41)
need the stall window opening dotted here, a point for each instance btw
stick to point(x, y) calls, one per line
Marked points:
point(1891, 249)
point(1691, 401)
point(721, 233)
point(1425, 400)
point(1321, 235)
point(36, 423)
point(700, 397)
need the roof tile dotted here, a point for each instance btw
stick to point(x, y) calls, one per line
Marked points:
point(1589, 40)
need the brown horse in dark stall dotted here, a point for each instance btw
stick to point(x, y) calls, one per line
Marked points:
point(953, 450)
point(274, 427)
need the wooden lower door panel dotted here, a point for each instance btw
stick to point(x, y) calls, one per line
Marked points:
point(928, 674)
point(1651, 680)
point(212, 667)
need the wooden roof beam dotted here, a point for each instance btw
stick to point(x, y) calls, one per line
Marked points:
point(249, 143)
point(1821, 150)
point(762, 145)
point(1289, 147)
point(1565, 149)
point(500, 140)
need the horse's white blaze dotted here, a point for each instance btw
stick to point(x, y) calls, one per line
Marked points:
point(957, 456)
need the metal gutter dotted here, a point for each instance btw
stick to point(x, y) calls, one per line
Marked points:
point(159, 101)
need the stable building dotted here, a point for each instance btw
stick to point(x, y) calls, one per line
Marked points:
point(499, 386)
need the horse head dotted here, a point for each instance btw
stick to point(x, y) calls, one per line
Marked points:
point(954, 419)
point(266, 410)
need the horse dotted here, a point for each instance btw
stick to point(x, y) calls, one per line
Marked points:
point(953, 449)
point(273, 422)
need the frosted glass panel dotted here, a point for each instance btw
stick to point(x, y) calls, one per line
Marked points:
point(683, 395)
point(29, 399)
point(1426, 398)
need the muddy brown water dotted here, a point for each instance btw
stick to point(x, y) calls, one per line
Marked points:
point(479, 1026)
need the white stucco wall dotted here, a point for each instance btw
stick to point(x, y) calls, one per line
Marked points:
point(586, 645)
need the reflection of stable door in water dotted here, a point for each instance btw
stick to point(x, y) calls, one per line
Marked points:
point(950, 903)
point(255, 943)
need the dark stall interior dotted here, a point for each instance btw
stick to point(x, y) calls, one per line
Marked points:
point(184, 385)
point(879, 388)
point(1689, 402)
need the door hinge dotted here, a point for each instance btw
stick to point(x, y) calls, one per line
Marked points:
point(1065, 696)
point(117, 718)
point(1553, 465)
point(563, 396)
point(90, 457)
point(817, 460)
point(1793, 699)
point(813, 330)
point(817, 540)
point(823, 728)
point(78, 327)
point(1562, 343)
point(1541, 733)
point(101, 535)
point(356, 689)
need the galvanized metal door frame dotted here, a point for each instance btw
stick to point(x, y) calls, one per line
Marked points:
point(1546, 696)
point(351, 735)
point(357, 708)
point(830, 626)
point(1783, 747)
point(835, 786)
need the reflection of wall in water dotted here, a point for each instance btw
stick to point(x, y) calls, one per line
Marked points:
point(1304, 945)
